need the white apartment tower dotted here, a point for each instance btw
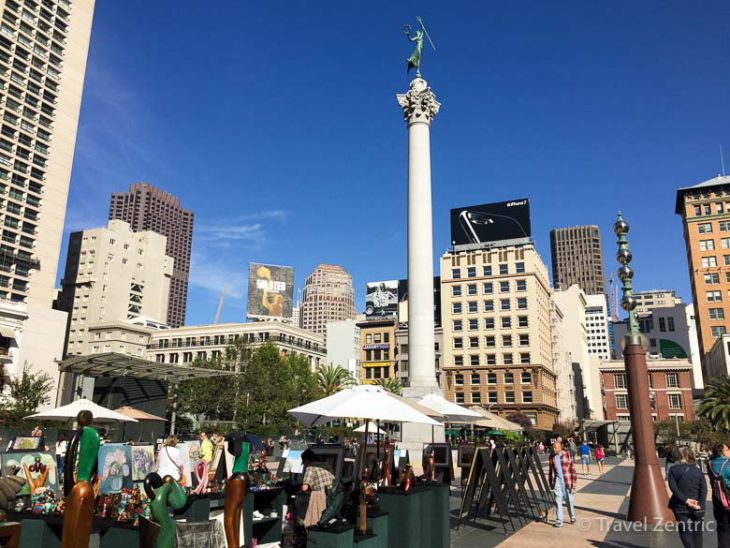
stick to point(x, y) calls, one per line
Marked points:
point(113, 274)
point(328, 296)
point(43, 50)
point(599, 340)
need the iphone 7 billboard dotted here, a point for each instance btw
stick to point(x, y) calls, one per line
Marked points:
point(494, 222)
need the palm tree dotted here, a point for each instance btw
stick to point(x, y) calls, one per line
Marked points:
point(715, 403)
point(332, 379)
point(391, 385)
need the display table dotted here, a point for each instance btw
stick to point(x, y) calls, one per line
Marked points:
point(419, 518)
point(340, 537)
point(378, 524)
point(10, 534)
point(267, 529)
point(365, 541)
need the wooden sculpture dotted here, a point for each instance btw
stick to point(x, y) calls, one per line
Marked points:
point(236, 489)
point(79, 491)
point(163, 493)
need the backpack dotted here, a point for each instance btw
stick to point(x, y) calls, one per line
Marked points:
point(720, 492)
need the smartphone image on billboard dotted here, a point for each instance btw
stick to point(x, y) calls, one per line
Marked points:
point(471, 219)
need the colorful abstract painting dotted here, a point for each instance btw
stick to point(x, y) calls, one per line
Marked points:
point(38, 468)
point(115, 467)
point(191, 452)
point(143, 461)
point(28, 443)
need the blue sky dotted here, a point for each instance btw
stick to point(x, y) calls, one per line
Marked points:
point(276, 122)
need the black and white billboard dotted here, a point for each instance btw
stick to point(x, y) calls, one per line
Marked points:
point(481, 224)
point(381, 299)
point(270, 291)
point(403, 300)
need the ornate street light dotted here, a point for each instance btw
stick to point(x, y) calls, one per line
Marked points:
point(648, 502)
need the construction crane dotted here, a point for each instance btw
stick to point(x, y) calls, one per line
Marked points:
point(614, 307)
point(222, 298)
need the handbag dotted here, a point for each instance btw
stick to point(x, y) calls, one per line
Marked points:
point(720, 492)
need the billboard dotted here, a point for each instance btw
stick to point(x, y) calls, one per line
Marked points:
point(486, 223)
point(403, 301)
point(270, 291)
point(381, 299)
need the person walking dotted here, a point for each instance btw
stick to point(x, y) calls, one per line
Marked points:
point(719, 471)
point(585, 457)
point(169, 460)
point(573, 448)
point(672, 456)
point(563, 479)
point(689, 491)
point(600, 457)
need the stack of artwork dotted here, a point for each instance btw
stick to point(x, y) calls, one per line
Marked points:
point(38, 468)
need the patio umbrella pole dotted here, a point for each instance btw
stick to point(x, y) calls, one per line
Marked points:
point(363, 495)
point(377, 450)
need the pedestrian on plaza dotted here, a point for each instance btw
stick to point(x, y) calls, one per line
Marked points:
point(61, 447)
point(671, 457)
point(206, 447)
point(719, 471)
point(541, 448)
point(563, 479)
point(630, 450)
point(689, 491)
point(600, 457)
point(573, 448)
point(585, 457)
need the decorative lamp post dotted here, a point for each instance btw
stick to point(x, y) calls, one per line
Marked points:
point(649, 501)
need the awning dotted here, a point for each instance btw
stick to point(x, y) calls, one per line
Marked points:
point(111, 364)
point(6, 332)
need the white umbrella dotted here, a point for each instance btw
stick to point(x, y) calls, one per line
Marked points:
point(371, 428)
point(71, 411)
point(451, 411)
point(490, 420)
point(364, 401)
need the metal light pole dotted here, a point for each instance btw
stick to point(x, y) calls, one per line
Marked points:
point(648, 502)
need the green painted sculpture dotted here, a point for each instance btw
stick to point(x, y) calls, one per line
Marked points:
point(163, 494)
point(414, 61)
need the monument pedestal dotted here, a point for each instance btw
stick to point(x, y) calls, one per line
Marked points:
point(413, 436)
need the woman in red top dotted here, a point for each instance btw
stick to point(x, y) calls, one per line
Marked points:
point(600, 455)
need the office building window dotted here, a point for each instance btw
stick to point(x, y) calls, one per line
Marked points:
point(488, 323)
point(489, 341)
point(504, 287)
point(521, 285)
point(459, 396)
point(707, 245)
point(456, 273)
point(522, 321)
point(474, 360)
point(475, 378)
point(662, 324)
point(458, 360)
point(716, 314)
point(492, 397)
point(504, 304)
point(491, 359)
point(487, 271)
point(709, 262)
point(506, 322)
point(473, 342)
point(507, 340)
point(520, 268)
point(457, 325)
point(456, 290)
point(522, 303)
point(459, 379)
point(507, 359)
point(473, 324)
point(491, 378)
point(724, 226)
point(472, 307)
point(489, 306)
point(713, 296)
point(471, 289)
point(487, 288)
point(704, 228)
point(527, 397)
point(509, 378)
point(619, 380)
point(509, 397)
point(622, 401)
point(712, 278)
point(717, 330)
point(725, 243)
point(456, 308)
point(526, 377)
point(503, 269)
point(524, 339)
point(675, 401)
point(471, 272)
point(524, 357)
point(726, 260)
point(672, 380)
point(476, 397)
point(670, 324)
point(458, 342)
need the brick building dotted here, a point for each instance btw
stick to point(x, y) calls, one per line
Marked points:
point(670, 390)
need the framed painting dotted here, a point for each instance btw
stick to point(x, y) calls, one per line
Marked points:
point(216, 463)
point(114, 468)
point(143, 461)
point(27, 443)
point(38, 468)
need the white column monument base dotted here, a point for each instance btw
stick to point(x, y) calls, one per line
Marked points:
point(413, 435)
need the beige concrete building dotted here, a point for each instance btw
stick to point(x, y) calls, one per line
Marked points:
point(717, 360)
point(377, 349)
point(646, 301)
point(599, 340)
point(496, 317)
point(113, 274)
point(401, 353)
point(183, 345)
point(577, 258)
point(328, 296)
point(43, 51)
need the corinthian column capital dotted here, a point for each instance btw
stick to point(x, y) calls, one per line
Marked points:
point(419, 103)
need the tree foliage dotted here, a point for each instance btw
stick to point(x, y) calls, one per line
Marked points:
point(566, 429)
point(25, 394)
point(391, 385)
point(332, 378)
point(256, 399)
point(523, 420)
point(701, 430)
point(715, 404)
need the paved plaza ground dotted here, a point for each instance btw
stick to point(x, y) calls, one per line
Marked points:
point(600, 502)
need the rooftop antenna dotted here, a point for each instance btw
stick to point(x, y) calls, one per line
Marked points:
point(222, 298)
point(722, 161)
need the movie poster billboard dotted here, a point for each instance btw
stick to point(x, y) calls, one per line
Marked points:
point(381, 299)
point(270, 291)
point(403, 301)
point(480, 224)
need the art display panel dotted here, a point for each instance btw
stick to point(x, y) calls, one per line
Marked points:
point(114, 468)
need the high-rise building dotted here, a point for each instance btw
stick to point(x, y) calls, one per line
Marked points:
point(113, 274)
point(655, 298)
point(705, 211)
point(43, 52)
point(343, 345)
point(577, 258)
point(146, 207)
point(496, 318)
point(599, 338)
point(328, 296)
